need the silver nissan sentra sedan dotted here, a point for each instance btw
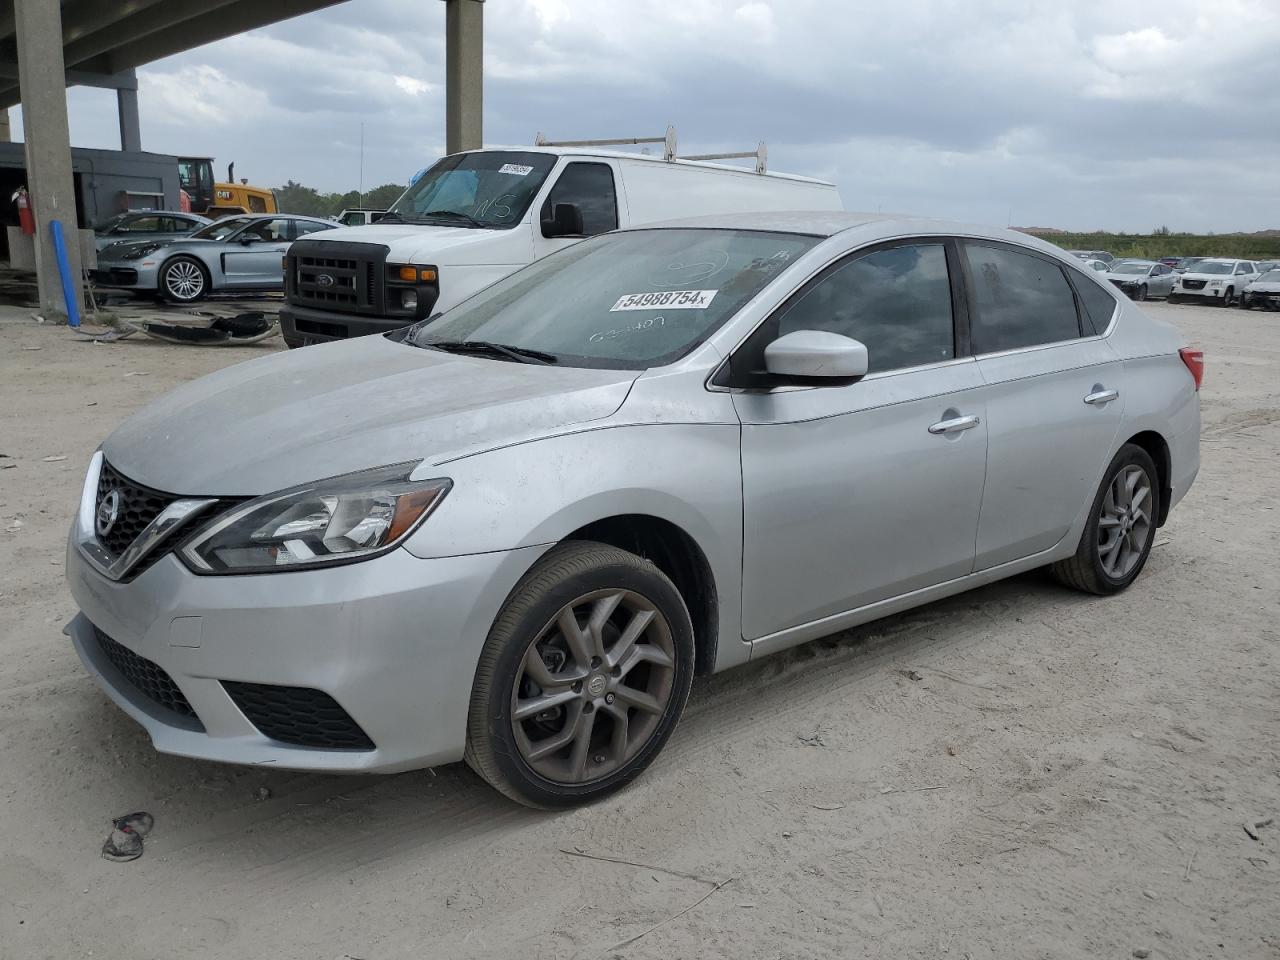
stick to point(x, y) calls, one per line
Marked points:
point(513, 533)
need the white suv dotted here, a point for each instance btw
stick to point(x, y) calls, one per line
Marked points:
point(1219, 279)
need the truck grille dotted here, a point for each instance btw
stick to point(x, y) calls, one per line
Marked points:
point(340, 276)
point(1193, 284)
point(149, 679)
point(298, 715)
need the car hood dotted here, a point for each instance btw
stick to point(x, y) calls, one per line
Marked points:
point(1125, 277)
point(335, 408)
point(1264, 286)
point(1192, 275)
point(117, 250)
point(419, 243)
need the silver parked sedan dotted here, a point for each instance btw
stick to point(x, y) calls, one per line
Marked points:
point(153, 225)
point(513, 533)
point(1142, 279)
point(232, 254)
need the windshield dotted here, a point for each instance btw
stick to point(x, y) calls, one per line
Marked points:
point(1135, 267)
point(1271, 276)
point(490, 189)
point(624, 301)
point(1213, 267)
point(220, 229)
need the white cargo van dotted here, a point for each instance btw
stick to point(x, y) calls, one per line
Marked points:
point(478, 216)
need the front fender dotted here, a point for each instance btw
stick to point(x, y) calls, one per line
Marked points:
point(539, 492)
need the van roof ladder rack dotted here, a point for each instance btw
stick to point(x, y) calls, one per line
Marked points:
point(760, 153)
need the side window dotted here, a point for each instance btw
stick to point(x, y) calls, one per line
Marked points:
point(257, 204)
point(1242, 268)
point(143, 225)
point(1021, 300)
point(590, 186)
point(897, 301)
point(1099, 306)
point(353, 218)
point(302, 227)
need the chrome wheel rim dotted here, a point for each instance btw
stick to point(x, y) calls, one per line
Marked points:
point(1124, 521)
point(593, 686)
point(184, 280)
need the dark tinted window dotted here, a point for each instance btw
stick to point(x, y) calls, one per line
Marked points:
point(590, 186)
point(1098, 304)
point(896, 301)
point(1021, 300)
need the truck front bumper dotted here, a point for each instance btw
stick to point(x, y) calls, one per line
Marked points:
point(301, 326)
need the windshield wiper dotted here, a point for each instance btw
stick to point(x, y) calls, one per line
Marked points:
point(455, 213)
point(485, 347)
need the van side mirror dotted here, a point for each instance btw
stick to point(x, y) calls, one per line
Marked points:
point(807, 355)
point(566, 221)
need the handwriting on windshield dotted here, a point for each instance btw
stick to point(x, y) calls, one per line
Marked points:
point(640, 326)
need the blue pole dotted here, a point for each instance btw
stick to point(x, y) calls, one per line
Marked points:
point(70, 291)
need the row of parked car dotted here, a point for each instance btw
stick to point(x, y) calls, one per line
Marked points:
point(1224, 281)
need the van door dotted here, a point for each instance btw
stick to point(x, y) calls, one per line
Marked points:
point(592, 186)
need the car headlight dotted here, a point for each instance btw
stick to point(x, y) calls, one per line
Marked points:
point(139, 252)
point(1215, 283)
point(340, 520)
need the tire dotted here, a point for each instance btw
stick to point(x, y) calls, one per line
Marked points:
point(1228, 295)
point(1142, 293)
point(577, 583)
point(1087, 570)
point(183, 279)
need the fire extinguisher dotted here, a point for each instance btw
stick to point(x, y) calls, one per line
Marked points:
point(26, 219)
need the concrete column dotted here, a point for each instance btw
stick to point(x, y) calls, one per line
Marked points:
point(6, 135)
point(130, 128)
point(42, 82)
point(464, 75)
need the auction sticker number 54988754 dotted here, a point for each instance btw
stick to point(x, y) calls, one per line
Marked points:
point(665, 299)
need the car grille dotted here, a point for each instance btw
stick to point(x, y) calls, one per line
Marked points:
point(149, 679)
point(298, 715)
point(336, 276)
point(139, 505)
point(1193, 284)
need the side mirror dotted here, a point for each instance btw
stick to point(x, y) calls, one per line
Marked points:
point(566, 221)
point(249, 238)
point(816, 355)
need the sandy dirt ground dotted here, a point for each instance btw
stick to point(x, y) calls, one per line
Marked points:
point(1066, 776)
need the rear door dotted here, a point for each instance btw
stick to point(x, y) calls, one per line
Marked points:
point(1054, 396)
point(854, 493)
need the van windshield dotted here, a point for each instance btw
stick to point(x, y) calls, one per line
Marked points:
point(626, 301)
point(488, 190)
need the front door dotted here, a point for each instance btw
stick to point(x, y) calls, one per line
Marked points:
point(589, 185)
point(861, 492)
point(257, 263)
point(1054, 399)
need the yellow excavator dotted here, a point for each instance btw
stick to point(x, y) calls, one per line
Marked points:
point(214, 200)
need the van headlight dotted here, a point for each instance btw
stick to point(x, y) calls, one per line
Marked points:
point(340, 520)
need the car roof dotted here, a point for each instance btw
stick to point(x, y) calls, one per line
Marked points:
point(273, 216)
point(828, 223)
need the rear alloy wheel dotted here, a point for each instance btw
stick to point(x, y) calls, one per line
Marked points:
point(583, 677)
point(184, 280)
point(1117, 539)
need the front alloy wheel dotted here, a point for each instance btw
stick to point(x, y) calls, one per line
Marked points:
point(183, 279)
point(582, 679)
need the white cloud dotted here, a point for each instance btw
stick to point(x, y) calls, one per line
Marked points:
point(411, 85)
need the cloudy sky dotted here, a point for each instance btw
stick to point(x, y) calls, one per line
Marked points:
point(1123, 114)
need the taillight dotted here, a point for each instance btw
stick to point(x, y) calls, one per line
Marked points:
point(1194, 359)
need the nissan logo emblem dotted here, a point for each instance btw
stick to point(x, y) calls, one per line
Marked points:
point(324, 280)
point(108, 512)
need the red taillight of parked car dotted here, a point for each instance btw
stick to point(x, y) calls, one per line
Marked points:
point(1194, 359)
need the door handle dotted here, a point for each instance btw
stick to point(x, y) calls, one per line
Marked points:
point(954, 425)
point(1102, 396)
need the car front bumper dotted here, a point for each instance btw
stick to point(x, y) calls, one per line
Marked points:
point(394, 641)
point(1206, 292)
point(127, 274)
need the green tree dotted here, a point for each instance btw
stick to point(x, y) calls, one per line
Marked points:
point(293, 197)
point(384, 196)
